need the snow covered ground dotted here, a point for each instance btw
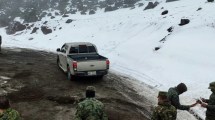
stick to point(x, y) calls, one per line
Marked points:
point(128, 38)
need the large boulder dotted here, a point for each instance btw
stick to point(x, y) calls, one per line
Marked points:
point(34, 30)
point(69, 21)
point(184, 22)
point(151, 5)
point(110, 8)
point(92, 12)
point(164, 12)
point(46, 30)
point(56, 13)
point(14, 27)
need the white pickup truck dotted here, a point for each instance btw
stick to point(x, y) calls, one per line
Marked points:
point(81, 59)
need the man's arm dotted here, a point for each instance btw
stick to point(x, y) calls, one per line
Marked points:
point(210, 107)
point(176, 103)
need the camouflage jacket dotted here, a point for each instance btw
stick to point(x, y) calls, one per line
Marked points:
point(164, 112)
point(173, 96)
point(90, 109)
point(210, 113)
point(10, 114)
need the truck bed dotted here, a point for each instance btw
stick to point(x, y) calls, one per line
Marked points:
point(84, 57)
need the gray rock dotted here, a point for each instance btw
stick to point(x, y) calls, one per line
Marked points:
point(199, 9)
point(15, 27)
point(170, 29)
point(110, 8)
point(151, 5)
point(164, 12)
point(34, 30)
point(46, 30)
point(69, 21)
point(92, 12)
point(184, 22)
point(50, 14)
point(140, 4)
point(45, 22)
point(52, 17)
point(65, 15)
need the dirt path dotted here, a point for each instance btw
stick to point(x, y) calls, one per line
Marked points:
point(39, 90)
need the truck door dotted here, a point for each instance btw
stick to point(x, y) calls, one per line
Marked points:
point(64, 57)
point(61, 56)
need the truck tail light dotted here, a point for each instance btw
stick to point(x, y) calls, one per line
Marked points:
point(75, 65)
point(107, 63)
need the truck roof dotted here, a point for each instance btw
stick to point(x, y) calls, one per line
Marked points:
point(79, 43)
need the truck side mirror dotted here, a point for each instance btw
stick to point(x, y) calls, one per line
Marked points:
point(58, 49)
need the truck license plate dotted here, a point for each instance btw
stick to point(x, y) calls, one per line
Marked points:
point(92, 73)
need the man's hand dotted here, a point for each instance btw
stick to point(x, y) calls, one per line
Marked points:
point(194, 104)
point(199, 101)
point(204, 105)
point(203, 99)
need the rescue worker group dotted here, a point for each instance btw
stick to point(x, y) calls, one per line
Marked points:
point(93, 109)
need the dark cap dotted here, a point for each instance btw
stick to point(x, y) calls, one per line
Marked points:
point(91, 88)
point(212, 85)
point(182, 88)
point(162, 94)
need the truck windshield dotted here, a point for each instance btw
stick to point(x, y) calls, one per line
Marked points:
point(82, 49)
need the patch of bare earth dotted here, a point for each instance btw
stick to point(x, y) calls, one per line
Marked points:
point(42, 92)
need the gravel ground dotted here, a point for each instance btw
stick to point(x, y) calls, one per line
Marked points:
point(39, 90)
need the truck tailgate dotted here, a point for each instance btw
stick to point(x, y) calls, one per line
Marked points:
point(91, 65)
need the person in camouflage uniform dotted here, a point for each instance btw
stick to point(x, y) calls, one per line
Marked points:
point(173, 96)
point(210, 103)
point(7, 113)
point(90, 108)
point(164, 110)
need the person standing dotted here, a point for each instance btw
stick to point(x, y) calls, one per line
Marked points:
point(90, 108)
point(6, 112)
point(173, 96)
point(164, 110)
point(210, 103)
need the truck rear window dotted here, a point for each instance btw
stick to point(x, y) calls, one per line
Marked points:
point(82, 49)
point(91, 49)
